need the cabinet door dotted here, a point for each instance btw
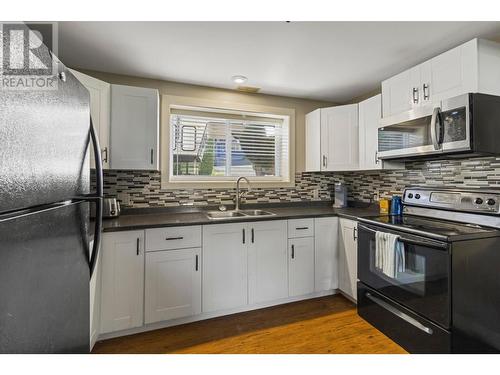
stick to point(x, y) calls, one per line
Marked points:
point(100, 105)
point(122, 280)
point(225, 260)
point(313, 141)
point(397, 94)
point(453, 73)
point(173, 284)
point(300, 266)
point(369, 118)
point(267, 261)
point(325, 253)
point(340, 138)
point(134, 128)
point(348, 257)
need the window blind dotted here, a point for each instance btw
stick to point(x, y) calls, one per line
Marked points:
point(211, 145)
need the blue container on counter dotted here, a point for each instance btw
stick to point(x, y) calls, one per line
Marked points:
point(396, 205)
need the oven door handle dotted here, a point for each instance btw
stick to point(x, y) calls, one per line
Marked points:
point(409, 241)
point(407, 318)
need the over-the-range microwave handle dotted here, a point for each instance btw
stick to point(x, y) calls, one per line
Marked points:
point(436, 128)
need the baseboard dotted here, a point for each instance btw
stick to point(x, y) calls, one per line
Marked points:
point(215, 314)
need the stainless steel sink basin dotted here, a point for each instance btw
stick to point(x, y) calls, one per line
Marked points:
point(224, 215)
point(218, 215)
point(257, 213)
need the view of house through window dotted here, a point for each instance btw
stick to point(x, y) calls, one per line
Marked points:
point(219, 145)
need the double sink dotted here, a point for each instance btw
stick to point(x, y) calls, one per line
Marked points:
point(237, 214)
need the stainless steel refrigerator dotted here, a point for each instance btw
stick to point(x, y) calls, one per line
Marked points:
point(45, 259)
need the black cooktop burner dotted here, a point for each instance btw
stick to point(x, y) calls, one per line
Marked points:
point(434, 228)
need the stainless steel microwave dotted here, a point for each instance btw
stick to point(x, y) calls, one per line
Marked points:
point(465, 125)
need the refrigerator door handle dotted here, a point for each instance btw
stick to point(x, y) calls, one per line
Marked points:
point(97, 198)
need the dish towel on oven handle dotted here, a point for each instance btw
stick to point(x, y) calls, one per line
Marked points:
point(389, 254)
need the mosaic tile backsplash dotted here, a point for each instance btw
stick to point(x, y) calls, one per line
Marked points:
point(142, 188)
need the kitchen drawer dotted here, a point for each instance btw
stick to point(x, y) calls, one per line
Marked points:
point(173, 238)
point(300, 228)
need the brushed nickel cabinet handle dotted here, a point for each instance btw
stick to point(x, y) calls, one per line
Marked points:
point(196, 263)
point(243, 235)
point(426, 91)
point(253, 236)
point(105, 155)
point(138, 245)
point(301, 228)
point(152, 162)
point(293, 251)
point(415, 95)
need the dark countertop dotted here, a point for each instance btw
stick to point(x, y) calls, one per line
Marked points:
point(133, 219)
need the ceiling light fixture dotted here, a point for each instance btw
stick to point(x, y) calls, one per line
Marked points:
point(239, 79)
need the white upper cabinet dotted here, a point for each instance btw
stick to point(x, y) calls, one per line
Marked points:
point(100, 99)
point(134, 128)
point(397, 94)
point(370, 113)
point(267, 261)
point(471, 67)
point(332, 139)
point(313, 141)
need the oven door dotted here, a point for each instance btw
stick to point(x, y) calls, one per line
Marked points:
point(422, 284)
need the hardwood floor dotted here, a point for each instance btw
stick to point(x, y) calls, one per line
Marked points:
point(321, 325)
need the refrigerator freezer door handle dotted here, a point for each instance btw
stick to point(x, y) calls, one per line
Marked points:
point(97, 198)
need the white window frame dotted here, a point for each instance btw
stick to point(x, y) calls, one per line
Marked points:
point(169, 181)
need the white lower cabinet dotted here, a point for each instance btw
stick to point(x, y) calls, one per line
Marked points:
point(225, 266)
point(173, 284)
point(122, 292)
point(348, 257)
point(162, 274)
point(300, 266)
point(267, 261)
point(326, 254)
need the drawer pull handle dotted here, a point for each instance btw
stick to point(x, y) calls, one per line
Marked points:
point(138, 246)
point(301, 228)
point(196, 263)
point(253, 236)
point(243, 231)
point(293, 251)
point(173, 238)
point(400, 314)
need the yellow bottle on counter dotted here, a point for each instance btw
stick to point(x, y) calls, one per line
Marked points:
point(384, 206)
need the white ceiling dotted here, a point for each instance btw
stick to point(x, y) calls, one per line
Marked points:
point(333, 61)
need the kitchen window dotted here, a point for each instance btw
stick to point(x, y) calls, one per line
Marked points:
point(215, 146)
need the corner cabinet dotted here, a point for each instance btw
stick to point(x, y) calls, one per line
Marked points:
point(122, 281)
point(134, 128)
point(100, 108)
point(332, 139)
point(348, 257)
point(370, 113)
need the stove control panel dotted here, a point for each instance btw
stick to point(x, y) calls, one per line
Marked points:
point(466, 200)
